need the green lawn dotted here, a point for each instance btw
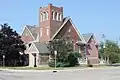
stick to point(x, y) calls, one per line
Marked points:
point(52, 68)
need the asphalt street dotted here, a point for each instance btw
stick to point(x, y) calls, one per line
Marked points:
point(85, 74)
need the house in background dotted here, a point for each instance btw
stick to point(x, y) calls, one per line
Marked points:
point(52, 25)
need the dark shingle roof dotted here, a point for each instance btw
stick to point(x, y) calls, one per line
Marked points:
point(33, 30)
point(42, 48)
point(87, 36)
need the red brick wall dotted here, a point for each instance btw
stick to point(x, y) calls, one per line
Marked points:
point(64, 32)
point(92, 52)
point(53, 25)
point(26, 39)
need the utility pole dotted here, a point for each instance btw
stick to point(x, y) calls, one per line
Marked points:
point(3, 60)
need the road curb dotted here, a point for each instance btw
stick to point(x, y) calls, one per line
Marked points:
point(13, 70)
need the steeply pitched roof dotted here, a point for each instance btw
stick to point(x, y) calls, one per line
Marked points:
point(65, 20)
point(33, 30)
point(87, 36)
point(42, 47)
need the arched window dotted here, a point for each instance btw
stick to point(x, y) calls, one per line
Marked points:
point(47, 15)
point(60, 17)
point(41, 32)
point(52, 14)
point(41, 16)
point(55, 15)
point(47, 31)
point(44, 16)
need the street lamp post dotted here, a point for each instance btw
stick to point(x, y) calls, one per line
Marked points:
point(85, 55)
point(3, 60)
point(55, 58)
point(55, 52)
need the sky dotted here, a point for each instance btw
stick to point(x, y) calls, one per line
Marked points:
point(89, 16)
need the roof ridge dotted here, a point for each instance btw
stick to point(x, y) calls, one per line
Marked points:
point(87, 33)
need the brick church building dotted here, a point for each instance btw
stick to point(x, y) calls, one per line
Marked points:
point(51, 25)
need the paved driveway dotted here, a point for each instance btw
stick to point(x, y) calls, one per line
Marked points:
point(87, 74)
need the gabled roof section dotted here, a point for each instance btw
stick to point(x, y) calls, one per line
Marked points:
point(78, 32)
point(88, 36)
point(65, 20)
point(32, 49)
point(41, 47)
point(32, 30)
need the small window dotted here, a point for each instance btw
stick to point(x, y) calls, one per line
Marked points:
point(69, 30)
point(29, 44)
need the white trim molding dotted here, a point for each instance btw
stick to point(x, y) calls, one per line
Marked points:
point(28, 31)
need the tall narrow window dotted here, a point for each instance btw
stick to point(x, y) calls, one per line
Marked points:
point(60, 17)
point(47, 15)
point(47, 31)
point(55, 15)
point(41, 17)
point(40, 32)
point(74, 47)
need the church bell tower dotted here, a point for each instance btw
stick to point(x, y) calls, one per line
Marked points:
point(50, 20)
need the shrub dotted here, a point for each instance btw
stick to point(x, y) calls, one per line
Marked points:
point(90, 65)
point(115, 58)
point(72, 59)
point(69, 61)
point(58, 64)
point(64, 64)
point(52, 63)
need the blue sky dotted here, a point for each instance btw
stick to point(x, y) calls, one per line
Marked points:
point(96, 16)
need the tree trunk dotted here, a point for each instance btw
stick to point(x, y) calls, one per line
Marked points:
point(105, 60)
point(108, 60)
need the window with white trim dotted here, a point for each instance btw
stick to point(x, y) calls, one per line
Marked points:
point(47, 31)
point(47, 15)
point(60, 17)
point(57, 17)
point(40, 32)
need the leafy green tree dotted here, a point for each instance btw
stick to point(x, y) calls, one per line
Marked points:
point(62, 47)
point(65, 53)
point(101, 50)
point(10, 44)
point(73, 58)
point(111, 52)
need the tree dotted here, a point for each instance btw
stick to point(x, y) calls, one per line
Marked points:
point(63, 48)
point(10, 44)
point(73, 58)
point(101, 50)
point(111, 52)
point(65, 53)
